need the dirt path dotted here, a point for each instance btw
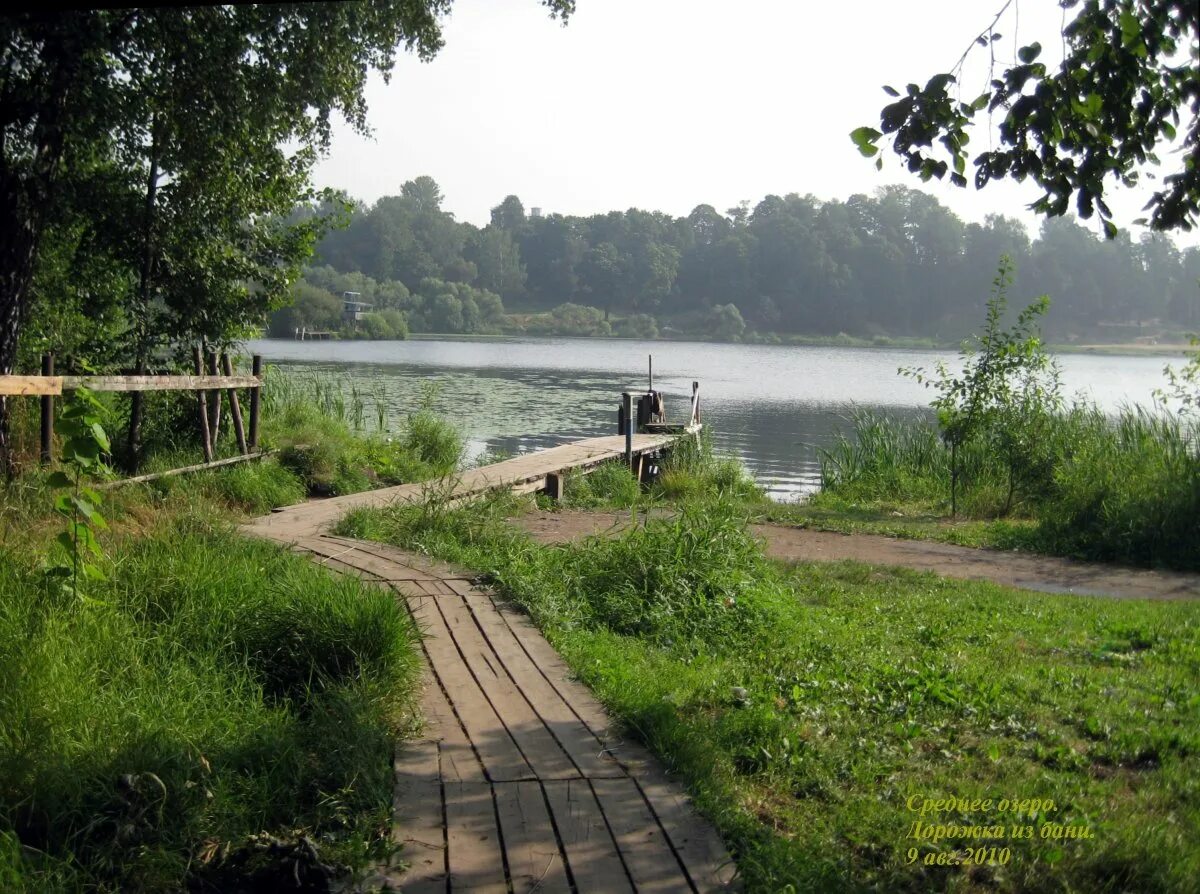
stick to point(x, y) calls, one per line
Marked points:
point(1043, 573)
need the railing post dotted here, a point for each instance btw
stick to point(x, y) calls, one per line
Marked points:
point(202, 401)
point(47, 413)
point(627, 411)
point(255, 397)
point(235, 409)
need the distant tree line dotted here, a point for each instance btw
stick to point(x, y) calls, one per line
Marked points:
point(896, 263)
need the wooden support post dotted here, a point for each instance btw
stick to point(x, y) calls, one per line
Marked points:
point(202, 401)
point(47, 413)
point(556, 485)
point(627, 410)
point(256, 371)
point(235, 408)
point(214, 399)
point(134, 446)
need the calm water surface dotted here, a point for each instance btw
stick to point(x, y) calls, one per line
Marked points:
point(772, 406)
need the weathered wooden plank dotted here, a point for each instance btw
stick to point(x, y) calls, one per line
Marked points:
point(418, 827)
point(644, 846)
point(158, 383)
point(583, 704)
point(573, 736)
point(417, 810)
point(501, 758)
point(473, 841)
point(535, 862)
point(542, 751)
point(184, 470)
point(696, 841)
point(591, 853)
point(459, 763)
point(31, 385)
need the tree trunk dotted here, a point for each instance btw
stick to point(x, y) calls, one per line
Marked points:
point(27, 189)
point(146, 275)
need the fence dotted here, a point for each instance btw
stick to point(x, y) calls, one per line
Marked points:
point(208, 385)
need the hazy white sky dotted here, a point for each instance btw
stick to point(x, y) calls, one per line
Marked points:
point(667, 104)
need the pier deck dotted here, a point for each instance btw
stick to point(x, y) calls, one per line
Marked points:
point(523, 474)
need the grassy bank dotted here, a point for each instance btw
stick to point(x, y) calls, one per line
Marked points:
point(1124, 489)
point(214, 713)
point(806, 705)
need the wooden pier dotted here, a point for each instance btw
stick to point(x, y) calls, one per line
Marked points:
point(543, 470)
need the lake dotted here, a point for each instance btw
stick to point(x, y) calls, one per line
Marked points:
point(772, 406)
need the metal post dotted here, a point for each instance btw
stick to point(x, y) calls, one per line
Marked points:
point(47, 412)
point(627, 408)
point(650, 387)
point(256, 371)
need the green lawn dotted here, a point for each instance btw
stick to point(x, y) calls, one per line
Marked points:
point(806, 705)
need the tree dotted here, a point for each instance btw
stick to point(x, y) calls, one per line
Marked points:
point(1102, 114)
point(102, 90)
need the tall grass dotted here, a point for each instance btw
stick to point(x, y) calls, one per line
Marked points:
point(213, 689)
point(1123, 488)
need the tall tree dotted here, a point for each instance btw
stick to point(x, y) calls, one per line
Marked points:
point(80, 87)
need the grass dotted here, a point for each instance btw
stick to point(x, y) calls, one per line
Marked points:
point(214, 688)
point(804, 705)
point(1124, 489)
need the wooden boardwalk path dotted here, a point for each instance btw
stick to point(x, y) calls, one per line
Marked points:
point(524, 474)
point(518, 783)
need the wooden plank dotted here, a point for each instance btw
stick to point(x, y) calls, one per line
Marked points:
point(31, 385)
point(542, 751)
point(573, 736)
point(458, 760)
point(535, 862)
point(418, 827)
point(475, 856)
point(184, 470)
point(591, 853)
point(644, 846)
point(417, 810)
point(694, 840)
point(550, 663)
point(501, 758)
point(158, 383)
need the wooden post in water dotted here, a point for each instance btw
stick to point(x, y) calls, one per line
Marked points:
point(47, 413)
point(256, 371)
point(235, 409)
point(202, 401)
point(627, 410)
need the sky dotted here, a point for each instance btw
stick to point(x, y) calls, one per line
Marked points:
point(668, 104)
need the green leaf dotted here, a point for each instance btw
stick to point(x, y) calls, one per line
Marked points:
point(59, 479)
point(66, 541)
point(864, 138)
point(101, 436)
point(1029, 53)
point(890, 91)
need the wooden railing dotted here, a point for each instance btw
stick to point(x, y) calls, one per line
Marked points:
point(208, 387)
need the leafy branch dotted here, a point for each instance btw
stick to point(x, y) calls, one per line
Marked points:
point(84, 445)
